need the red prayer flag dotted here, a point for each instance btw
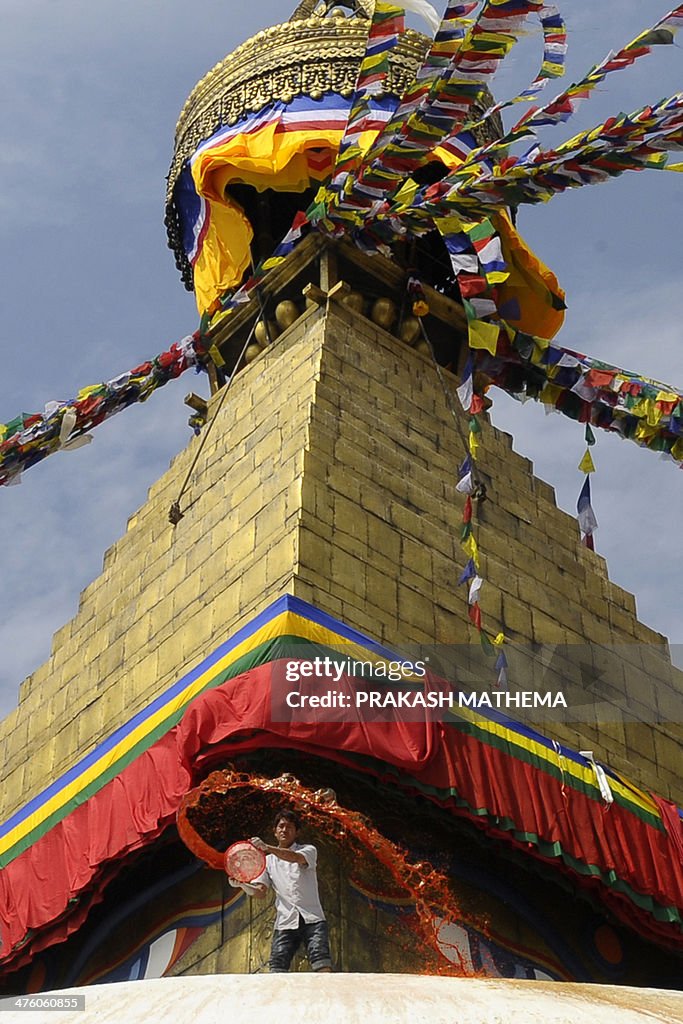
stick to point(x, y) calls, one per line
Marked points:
point(474, 612)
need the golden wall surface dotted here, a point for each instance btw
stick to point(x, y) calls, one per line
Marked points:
point(379, 548)
point(330, 474)
point(167, 595)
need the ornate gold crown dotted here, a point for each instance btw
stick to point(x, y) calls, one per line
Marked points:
point(309, 56)
point(319, 50)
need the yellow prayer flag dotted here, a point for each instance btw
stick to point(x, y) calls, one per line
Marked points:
point(273, 262)
point(373, 61)
point(407, 193)
point(667, 396)
point(216, 356)
point(537, 353)
point(471, 548)
point(450, 225)
point(88, 390)
point(497, 276)
point(640, 408)
point(645, 431)
point(323, 195)
point(483, 335)
point(219, 317)
point(550, 394)
point(586, 465)
point(654, 414)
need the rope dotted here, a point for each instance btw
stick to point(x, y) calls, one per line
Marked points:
point(480, 488)
point(175, 514)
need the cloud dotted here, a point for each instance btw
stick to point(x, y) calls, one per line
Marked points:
point(66, 514)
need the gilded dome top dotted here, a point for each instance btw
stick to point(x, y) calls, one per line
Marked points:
point(304, 56)
point(316, 54)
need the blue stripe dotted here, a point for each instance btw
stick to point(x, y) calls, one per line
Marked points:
point(33, 805)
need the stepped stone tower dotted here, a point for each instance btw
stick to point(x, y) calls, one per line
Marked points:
point(321, 496)
point(330, 475)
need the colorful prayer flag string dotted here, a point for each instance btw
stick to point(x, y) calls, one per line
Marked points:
point(467, 483)
point(374, 199)
point(385, 28)
point(554, 56)
point(62, 426)
point(589, 390)
point(587, 521)
point(438, 107)
point(561, 107)
point(473, 405)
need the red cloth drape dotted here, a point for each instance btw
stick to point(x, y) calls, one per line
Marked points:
point(76, 858)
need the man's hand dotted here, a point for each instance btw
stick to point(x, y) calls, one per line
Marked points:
point(259, 844)
point(257, 889)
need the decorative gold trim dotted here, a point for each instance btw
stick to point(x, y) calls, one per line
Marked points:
point(306, 9)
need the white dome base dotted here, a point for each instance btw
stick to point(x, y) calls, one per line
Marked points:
point(358, 999)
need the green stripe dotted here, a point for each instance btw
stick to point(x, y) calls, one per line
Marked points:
point(267, 651)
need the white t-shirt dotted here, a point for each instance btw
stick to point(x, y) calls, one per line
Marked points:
point(295, 888)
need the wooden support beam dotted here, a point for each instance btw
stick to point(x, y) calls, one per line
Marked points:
point(328, 267)
point(315, 294)
point(214, 383)
point(339, 291)
point(196, 402)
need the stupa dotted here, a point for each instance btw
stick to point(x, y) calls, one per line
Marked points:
point(319, 513)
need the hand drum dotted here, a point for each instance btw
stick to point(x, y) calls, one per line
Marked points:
point(244, 862)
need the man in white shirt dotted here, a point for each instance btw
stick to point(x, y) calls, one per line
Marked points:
point(291, 873)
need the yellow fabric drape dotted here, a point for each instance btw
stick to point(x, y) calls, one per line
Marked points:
point(225, 254)
point(263, 159)
point(290, 161)
point(531, 283)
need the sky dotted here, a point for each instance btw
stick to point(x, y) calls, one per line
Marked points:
point(90, 98)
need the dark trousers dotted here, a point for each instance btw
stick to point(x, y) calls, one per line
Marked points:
point(287, 941)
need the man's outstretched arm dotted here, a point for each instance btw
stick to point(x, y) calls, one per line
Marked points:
point(289, 855)
point(256, 889)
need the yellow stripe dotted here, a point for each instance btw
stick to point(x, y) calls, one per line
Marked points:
point(287, 623)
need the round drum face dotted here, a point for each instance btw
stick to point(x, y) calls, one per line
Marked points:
point(244, 862)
